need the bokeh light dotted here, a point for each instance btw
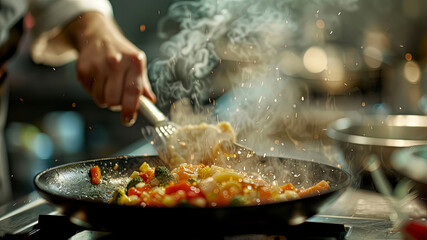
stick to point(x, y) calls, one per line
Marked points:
point(412, 72)
point(315, 60)
point(373, 57)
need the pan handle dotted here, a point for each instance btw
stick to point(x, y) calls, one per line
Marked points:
point(150, 111)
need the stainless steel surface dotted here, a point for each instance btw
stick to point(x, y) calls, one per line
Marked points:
point(381, 130)
point(359, 136)
point(21, 215)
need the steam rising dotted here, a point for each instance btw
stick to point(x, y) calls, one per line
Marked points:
point(237, 46)
point(200, 34)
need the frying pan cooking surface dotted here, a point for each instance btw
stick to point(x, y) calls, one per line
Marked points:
point(69, 187)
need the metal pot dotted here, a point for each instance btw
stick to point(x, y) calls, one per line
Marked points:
point(356, 138)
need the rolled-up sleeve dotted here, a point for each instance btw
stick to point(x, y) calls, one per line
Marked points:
point(50, 16)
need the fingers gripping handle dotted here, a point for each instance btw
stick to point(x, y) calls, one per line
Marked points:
point(150, 111)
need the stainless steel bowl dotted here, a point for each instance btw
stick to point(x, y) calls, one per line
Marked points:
point(356, 138)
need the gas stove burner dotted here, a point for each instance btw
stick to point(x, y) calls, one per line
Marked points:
point(59, 227)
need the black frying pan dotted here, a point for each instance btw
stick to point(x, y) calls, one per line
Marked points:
point(69, 187)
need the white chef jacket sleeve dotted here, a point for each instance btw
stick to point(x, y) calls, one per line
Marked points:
point(50, 16)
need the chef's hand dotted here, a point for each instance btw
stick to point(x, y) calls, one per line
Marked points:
point(109, 66)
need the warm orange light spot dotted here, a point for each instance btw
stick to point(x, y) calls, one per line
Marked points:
point(73, 105)
point(408, 57)
point(21, 99)
point(363, 104)
point(142, 28)
point(320, 24)
point(90, 127)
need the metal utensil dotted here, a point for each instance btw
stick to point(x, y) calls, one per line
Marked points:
point(164, 129)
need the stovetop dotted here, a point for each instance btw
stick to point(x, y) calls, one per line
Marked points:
point(357, 214)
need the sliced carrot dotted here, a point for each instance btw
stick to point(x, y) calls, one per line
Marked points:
point(185, 172)
point(95, 173)
point(265, 194)
point(288, 186)
point(316, 189)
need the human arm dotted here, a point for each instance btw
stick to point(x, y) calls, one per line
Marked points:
point(111, 68)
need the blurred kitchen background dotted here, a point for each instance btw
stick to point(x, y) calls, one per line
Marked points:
point(368, 56)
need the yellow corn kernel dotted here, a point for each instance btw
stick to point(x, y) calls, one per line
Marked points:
point(204, 172)
point(144, 167)
point(226, 176)
point(134, 174)
point(169, 201)
point(198, 202)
